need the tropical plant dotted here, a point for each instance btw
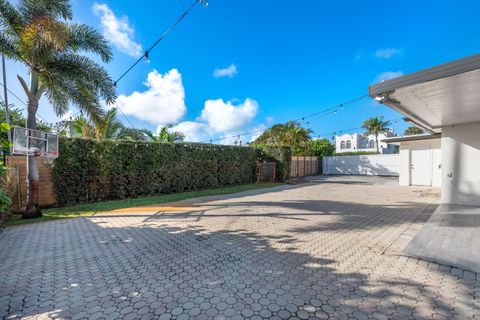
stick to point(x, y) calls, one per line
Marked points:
point(412, 130)
point(131, 134)
point(165, 135)
point(107, 126)
point(289, 134)
point(81, 127)
point(321, 148)
point(5, 201)
point(375, 126)
point(40, 34)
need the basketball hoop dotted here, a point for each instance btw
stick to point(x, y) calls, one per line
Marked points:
point(36, 143)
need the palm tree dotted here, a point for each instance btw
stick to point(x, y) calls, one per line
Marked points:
point(107, 126)
point(40, 34)
point(412, 130)
point(81, 127)
point(375, 126)
point(288, 134)
point(165, 135)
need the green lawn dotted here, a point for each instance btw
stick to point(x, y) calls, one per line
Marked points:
point(86, 210)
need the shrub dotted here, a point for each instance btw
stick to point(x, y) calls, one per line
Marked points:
point(87, 170)
point(282, 155)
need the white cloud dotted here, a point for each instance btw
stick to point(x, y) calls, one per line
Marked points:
point(229, 71)
point(163, 102)
point(387, 53)
point(117, 30)
point(220, 119)
point(194, 131)
point(223, 116)
point(388, 75)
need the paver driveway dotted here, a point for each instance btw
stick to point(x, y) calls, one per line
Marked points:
point(316, 250)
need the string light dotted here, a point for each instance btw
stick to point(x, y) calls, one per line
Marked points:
point(317, 115)
point(204, 3)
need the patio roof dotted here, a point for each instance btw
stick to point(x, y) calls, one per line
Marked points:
point(444, 95)
point(414, 137)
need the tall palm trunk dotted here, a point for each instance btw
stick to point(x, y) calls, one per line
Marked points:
point(376, 141)
point(33, 208)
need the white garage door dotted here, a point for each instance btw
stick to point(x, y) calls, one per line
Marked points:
point(421, 166)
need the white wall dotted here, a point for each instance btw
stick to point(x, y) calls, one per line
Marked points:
point(461, 164)
point(405, 160)
point(383, 165)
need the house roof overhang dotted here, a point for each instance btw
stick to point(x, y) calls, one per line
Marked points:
point(444, 95)
point(414, 137)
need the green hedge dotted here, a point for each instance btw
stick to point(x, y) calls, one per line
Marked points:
point(281, 155)
point(89, 171)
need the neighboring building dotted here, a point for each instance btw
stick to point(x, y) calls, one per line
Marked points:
point(420, 159)
point(444, 100)
point(357, 142)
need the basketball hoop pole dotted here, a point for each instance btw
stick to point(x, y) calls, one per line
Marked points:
point(28, 165)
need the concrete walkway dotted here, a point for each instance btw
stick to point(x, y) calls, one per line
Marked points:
point(317, 250)
point(451, 237)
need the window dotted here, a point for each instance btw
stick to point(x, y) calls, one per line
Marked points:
point(349, 144)
point(342, 145)
point(372, 144)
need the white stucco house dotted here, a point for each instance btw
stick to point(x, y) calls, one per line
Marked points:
point(357, 142)
point(444, 100)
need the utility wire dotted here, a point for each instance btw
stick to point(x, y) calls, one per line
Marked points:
point(351, 129)
point(321, 114)
point(133, 127)
point(147, 52)
point(24, 103)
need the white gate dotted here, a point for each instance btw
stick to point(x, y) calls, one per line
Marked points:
point(421, 166)
point(371, 165)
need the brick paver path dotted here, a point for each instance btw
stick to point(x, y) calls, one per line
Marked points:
point(303, 252)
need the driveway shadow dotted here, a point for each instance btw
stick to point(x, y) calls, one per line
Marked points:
point(78, 268)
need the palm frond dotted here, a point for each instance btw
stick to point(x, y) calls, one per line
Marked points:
point(82, 37)
point(8, 48)
point(58, 9)
point(85, 72)
point(10, 18)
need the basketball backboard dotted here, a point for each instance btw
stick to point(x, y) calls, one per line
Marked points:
point(34, 142)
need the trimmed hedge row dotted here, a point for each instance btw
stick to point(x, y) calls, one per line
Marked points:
point(88, 170)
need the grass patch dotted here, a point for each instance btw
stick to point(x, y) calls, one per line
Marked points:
point(89, 209)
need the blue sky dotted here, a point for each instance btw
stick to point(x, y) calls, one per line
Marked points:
point(275, 60)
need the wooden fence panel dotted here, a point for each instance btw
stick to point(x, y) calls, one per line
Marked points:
point(304, 166)
point(47, 197)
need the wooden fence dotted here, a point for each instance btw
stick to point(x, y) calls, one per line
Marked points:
point(47, 196)
point(304, 166)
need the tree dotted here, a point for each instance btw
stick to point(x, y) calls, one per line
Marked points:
point(289, 134)
point(321, 148)
point(40, 34)
point(81, 127)
point(132, 134)
point(107, 126)
point(375, 126)
point(5, 201)
point(413, 130)
point(165, 135)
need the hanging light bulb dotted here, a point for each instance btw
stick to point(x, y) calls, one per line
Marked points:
point(335, 111)
point(147, 58)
